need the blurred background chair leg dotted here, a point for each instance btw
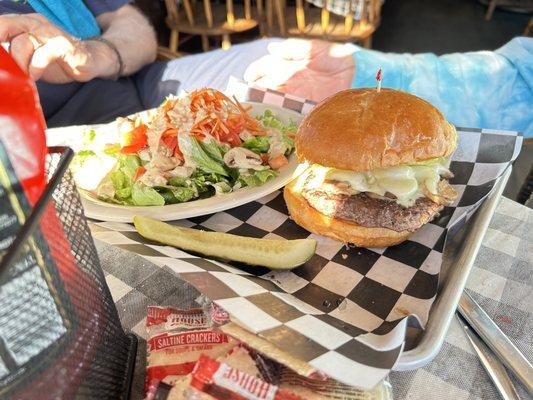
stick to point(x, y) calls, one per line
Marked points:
point(174, 40)
point(269, 16)
point(280, 14)
point(490, 9)
point(205, 43)
point(529, 28)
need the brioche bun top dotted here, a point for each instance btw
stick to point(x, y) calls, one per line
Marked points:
point(363, 129)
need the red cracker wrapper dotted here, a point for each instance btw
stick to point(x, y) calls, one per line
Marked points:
point(177, 339)
point(238, 357)
point(165, 319)
point(219, 316)
point(224, 382)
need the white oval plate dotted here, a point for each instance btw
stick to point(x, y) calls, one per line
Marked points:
point(97, 209)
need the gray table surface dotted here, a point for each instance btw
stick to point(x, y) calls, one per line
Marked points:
point(501, 281)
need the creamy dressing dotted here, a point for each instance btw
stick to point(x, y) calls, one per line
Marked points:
point(162, 162)
point(181, 171)
point(144, 154)
point(406, 182)
point(157, 126)
point(180, 115)
point(153, 177)
point(245, 135)
point(186, 148)
point(158, 161)
point(278, 146)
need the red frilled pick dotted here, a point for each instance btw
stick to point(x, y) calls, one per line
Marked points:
point(378, 79)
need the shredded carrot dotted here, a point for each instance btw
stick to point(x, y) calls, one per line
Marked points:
point(140, 172)
point(170, 132)
point(225, 118)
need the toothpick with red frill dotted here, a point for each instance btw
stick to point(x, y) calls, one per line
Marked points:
point(378, 79)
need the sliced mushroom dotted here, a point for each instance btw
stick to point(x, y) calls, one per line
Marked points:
point(239, 157)
point(163, 163)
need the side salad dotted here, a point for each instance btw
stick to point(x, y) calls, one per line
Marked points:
point(196, 146)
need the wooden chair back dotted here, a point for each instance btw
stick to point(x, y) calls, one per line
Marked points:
point(209, 19)
point(304, 20)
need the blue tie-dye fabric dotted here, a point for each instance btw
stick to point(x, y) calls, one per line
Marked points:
point(484, 89)
point(72, 16)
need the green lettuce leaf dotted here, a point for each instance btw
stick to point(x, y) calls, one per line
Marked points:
point(203, 179)
point(112, 149)
point(124, 193)
point(222, 187)
point(257, 178)
point(142, 195)
point(80, 158)
point(119, 179)
point(87, 138)
point(269, 120)
point(259, 144)
point(122, 179)
point(180, 182)
point(128, 165)
point(173, 195)
point(193, 152)
point(289, 141)
point(215, 151)
point(204, 184)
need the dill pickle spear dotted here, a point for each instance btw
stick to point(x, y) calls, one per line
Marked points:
point(274, 254)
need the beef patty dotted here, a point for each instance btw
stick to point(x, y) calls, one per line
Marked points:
point(372, 212)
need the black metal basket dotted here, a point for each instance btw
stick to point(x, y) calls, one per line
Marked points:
point(60, 334)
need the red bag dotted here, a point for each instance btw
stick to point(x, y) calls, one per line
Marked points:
point(22, 126)
point(22, 160)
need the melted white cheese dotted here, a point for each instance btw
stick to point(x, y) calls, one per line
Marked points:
point(406, 182)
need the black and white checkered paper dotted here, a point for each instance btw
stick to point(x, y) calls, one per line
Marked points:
point(346, 311)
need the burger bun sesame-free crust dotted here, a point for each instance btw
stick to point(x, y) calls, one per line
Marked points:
point(363, 129)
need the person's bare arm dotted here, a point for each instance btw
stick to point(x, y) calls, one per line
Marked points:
point(311, 69)
point(46, 52)
point(129, 30)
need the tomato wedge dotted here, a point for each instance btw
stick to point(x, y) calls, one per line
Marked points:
point(135, 140)
point(278, 162)
point(170, 141)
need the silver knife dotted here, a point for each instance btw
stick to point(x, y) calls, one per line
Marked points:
point(496, 340)
point(497, 372)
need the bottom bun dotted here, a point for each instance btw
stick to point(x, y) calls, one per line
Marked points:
point(345, 231)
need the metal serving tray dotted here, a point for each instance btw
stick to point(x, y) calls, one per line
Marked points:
point(458, 258)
